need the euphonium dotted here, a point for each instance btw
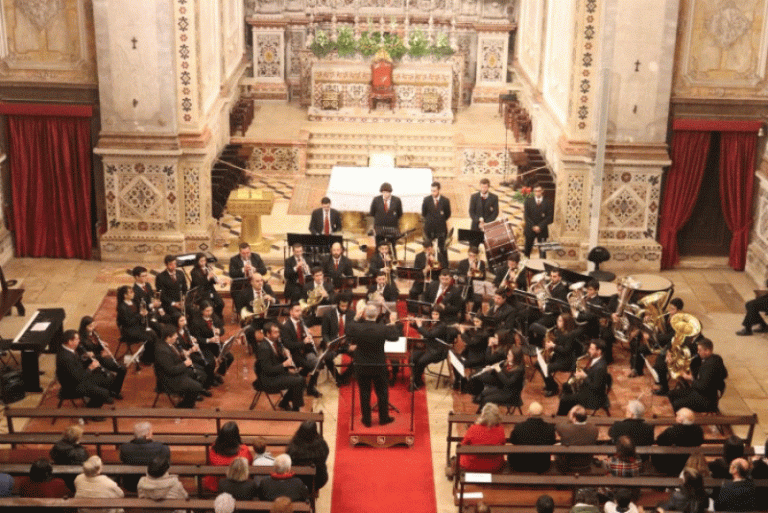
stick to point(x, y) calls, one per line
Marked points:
point(679, 356)
point(621, 326)
point(576, 297)
point(540, 288)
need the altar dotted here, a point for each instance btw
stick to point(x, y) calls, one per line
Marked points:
point(423, 90)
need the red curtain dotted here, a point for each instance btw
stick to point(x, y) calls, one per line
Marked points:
point(50, 163)
point(689, 156)
point(737, 166)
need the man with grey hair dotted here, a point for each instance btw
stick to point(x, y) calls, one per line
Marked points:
point(283, 482)
point(682, 434)
point(532, 431)
point(634, 426)
point(367, 338)
point(224, 503)
point(92, 484)
point(141, 451)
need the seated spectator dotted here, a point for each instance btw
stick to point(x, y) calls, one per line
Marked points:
point(545, 504)
point(281, 505)
point(227, 447)
point(487, 430)
point(625, 462)
point(739, 494)
point(224, 503)
point(158, 484)
point(41, 483)
point(237, 482)
point(141, 451)
point(532, 431)
point(6, 485)
point(733, 448)
point(760, 471)
point(585, 500)
point(691, 497)
point(68, 451)
point(622, 503)
point(576, 432)
point(307, 448)
point(283, 482)
point(633, 426)
point(683, 434)
point(91, 484)
point(262, 455)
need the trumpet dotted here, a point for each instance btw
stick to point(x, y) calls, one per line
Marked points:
point(209, 270)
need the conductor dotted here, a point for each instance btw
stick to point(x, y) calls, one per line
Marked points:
point(368, 339)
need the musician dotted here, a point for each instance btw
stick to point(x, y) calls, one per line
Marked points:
point(475, 340)
point(208, 328)
point(78, 380)
point(297, 273)
point(500, 312)
point(753, 317)
point(337, 266)
point(588, 316)
point(538, 214)
point(381, 260)
point(641, 343)
point(507, 274)
point(242, 267)
point(276, 370)
point(144, 295)
point(561, 343)
point(424, 260)
point(133, 322)
point(175, 372)
point(318, 286)
point(172, 285)
point(510, 377)
point(473, 269)
point(367, 339)
point(433, 351)
point(496, 352)
point(592, 391)
point(298, 340)
point(383, 288)
point(334, 323)
point(325, 220)
point(204, 361)
point(436, 210)
point(663, 339)
point(706, 383)
point(445, 297)
point(483, 206)
point(204, 279)
point(92, 346)
point(556, 289)
point(386, 211)
point(259, 290)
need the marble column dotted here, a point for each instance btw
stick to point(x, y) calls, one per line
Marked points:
point(757, 250)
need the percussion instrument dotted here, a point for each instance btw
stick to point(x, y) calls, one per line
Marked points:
point(499, 242)
point(607, 289)
point(650, 283)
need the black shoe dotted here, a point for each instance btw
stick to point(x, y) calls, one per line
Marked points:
point(761, 329)
point(456, 385)
point(385, 421)
point(477, 399)
point(199, 398)
point(661, 391)
point(745, 332)
point(218, 379)
point(109, 400)
point(314, 393)
point(366, 423)
point(117, 395)
point(206, 393)
point(550, 393)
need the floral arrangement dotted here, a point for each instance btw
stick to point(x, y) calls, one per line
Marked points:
point(322, 44)
point(370, 42)
point(522, 194)
point(345, 42)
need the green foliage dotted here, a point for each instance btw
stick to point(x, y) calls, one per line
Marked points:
point(345, 42)
point(395, 46)
point(441, 48)
point(322, 45)
point(418, 44)
point(369, 43)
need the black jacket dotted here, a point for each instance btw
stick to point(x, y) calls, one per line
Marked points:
point(389, 218)
point(236, 266)
point(435, 216)
point(532, 431)
point(316, 221)
point(639, 431)
point(452, 300)
point(370, 337)
point(171, 290)
point(488, 209)
point(538, 215)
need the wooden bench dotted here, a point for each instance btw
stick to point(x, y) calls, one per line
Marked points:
point(148, 414)
point(138, 504)
point(702, 420)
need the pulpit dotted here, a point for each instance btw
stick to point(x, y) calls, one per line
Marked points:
point(251, 204)
point(381, 84)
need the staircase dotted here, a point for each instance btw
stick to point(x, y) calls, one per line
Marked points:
point(412, 148)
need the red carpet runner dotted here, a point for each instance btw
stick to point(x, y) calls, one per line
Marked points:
point(373, 480)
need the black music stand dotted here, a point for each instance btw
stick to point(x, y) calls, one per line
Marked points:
point(315, 246)
point(418, 307)
point(410, 273)
point(472, 237)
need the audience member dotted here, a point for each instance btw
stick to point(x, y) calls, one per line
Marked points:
point(41, 483)
point(307, 448)
point(262, 455)
point(633, 426)
point(622, 503)
point(283, 482)
point(6, 484)
point(760, 471)
point(68, 451)
point(532, 431)
point(226, 448)
point(691, 497)
point(91, 484)
point(683, 434)
point(224, 503)
point(545, 504)
point(576, 432)
point(281, 505)
point(733, 448)
point(141, 451)
point(487, 430)
point(158, 484)
point(237, 482)
point(625, 462)
point(739, 494)
point(585, 500)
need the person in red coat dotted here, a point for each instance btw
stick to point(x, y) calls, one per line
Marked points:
point(41, 484)
point(486, 431)
point(225, 449)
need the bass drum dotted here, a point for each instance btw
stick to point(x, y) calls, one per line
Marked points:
point(650, 283)
point(499, 242)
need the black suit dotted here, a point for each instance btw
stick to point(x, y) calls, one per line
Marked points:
point(639, 431)
point(390, 217)
point(304, 356)
point(78, 381)
point(93, 345)
point(174, 376)
point(435, 217)
point(452, 301)
point(246, 297)
point(316, 223)
point(237, 274)
point(532, 431)
point(171, 290)
point(371, 363)
point(274, 377)
point(206, 283)
point(593, 390)
point(503, 316)
point(433, 350)
point(140, 451)
point(200, 329)
point(682, 436)
point(133, 329)
point(390, 291)
point(702, 395)
point(537, 215)
point(487, 209)
point(420, 262)
point(309, 286)
point(293, 281)
point(331, 331)
point(331, 271)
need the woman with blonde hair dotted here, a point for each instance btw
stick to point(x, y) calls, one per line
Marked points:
point(237, 482)
point(68, 451)
point(92, 484)
point(487, 430)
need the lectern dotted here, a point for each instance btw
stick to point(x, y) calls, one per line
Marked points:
point(250, 205)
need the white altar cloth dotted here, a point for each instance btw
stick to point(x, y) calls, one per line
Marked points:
point(351, 189)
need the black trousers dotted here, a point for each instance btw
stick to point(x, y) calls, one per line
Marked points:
point(529, 238)
point(754, 307)
point(420, 359)
point(375, 376)
point(293, 384)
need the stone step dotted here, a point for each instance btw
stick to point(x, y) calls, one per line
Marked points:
point(362, 138)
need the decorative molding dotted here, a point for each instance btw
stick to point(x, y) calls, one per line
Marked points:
point(188, 96)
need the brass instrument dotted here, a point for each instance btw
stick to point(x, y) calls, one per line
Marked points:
point(548, 351)
point(679, 355)
point(259, 307)
point(621, 326)
point(574, 382)
point(577, 299)
point(653, 306)
point(212, 273)
point(540, 288)
point(314, 298)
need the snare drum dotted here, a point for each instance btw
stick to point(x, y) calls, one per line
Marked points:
point(607, 289)
point(650, 283)
point(499, 242)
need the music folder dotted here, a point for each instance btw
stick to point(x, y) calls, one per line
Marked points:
point(399, 346)
point(483, 288)
point(472, 237)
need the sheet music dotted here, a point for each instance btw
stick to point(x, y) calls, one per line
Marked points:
point(456, 362)
point(396, 346)
point(651, 370)
point(40, 326)
point(542, 363)
point(483, 288)
point(26, 326)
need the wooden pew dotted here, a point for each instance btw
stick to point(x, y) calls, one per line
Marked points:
point(138, 504)
point(702, 420)
point(139, 414)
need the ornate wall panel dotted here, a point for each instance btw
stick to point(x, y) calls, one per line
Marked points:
point(492, 58)
point(275, 158)
point(757, 250)
point(482, 161)
point(268, 54)
point(528, 45)
point(48, 42)
point(630, 206)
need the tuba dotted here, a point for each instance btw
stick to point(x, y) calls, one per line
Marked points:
point(653, 306)
point(621, 326)
point(679, 355)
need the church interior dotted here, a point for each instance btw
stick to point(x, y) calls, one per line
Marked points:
point(194, 125)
